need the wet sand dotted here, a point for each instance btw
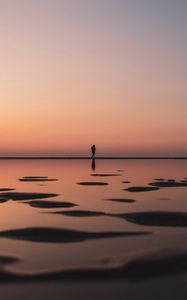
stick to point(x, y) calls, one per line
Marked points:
point(74, 231)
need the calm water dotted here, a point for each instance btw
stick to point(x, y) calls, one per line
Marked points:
point(36, 256)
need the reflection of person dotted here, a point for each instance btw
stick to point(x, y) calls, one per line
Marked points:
point(93, 165)
point(93, 148)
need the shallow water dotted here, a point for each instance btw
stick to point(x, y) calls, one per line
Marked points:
point(39, 257)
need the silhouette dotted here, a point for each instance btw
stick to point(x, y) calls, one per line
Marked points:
point(93, 148)
point(93, 165)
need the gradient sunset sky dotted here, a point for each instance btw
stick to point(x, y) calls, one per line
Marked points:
point(78, 72)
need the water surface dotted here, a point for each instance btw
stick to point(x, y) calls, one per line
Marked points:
point(40, 257)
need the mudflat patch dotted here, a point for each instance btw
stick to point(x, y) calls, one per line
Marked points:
point(105, 175)
point(6, 189)
point(141, 189)
point(169, 183)
point(2, 200)
point(81, 213)
point(158, 218)
point(26, 196)
point(50, 204)
point(92, 183)
point(58, 235)
point(122, 200)
point(36, 178)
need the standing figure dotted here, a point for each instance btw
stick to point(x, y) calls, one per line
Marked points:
point(93, 148)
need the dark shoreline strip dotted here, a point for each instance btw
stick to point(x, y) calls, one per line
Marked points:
point(156, 263)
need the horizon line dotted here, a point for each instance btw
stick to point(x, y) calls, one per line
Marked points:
point(89, 157)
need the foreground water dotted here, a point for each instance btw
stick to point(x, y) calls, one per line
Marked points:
point(89, 241)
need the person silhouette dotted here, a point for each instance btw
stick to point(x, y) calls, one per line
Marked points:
point(93, 149)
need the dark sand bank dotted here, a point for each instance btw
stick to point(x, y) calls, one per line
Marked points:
point(36, 179)
point(81, 213)
point(134, 268)
point(50, 204)
point(105, 175)
point(122, 200)
point(92, 183)
point(157, 218)
point(6, 189)
point(26, 196)
point(169, 183)
point(89, 213)
point(160, 218)
point(141, 189)
point(5, 260)
point(2, 200)
point(56, 235)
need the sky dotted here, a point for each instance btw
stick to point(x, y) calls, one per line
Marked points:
point(78, 72)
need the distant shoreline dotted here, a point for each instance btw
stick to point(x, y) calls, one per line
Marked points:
point(86, 157)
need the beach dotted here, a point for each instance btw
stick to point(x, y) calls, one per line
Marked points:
point(68, 231)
